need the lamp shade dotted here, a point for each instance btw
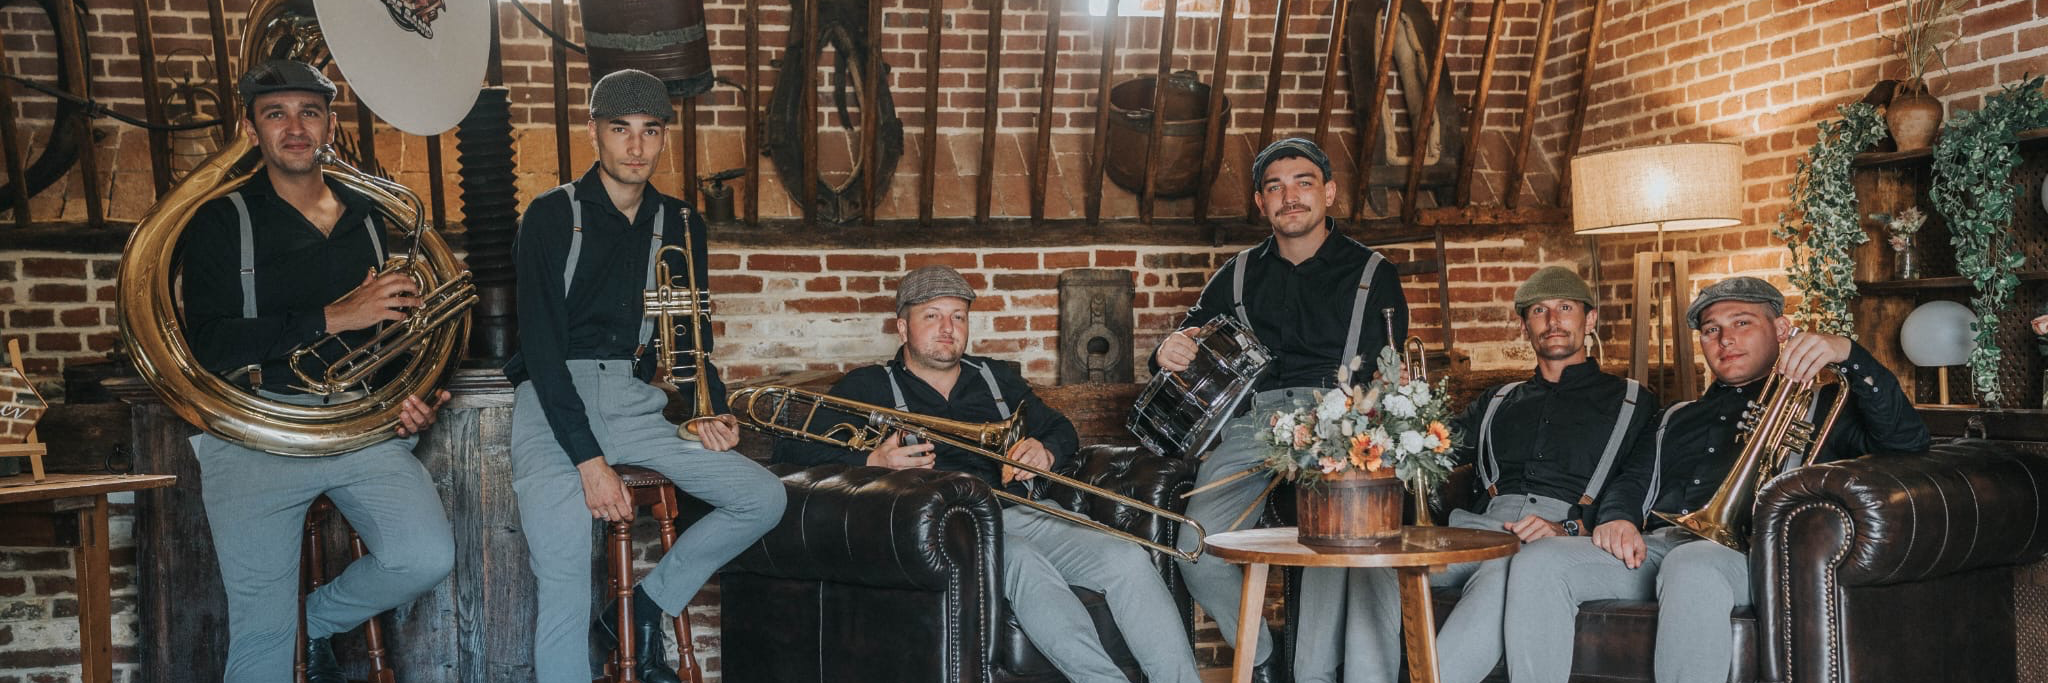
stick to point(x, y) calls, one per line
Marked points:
point(1685, 186)
point(1938, 334)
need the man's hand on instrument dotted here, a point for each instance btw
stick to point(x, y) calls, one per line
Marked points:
point(415, 416)
point(1805, 353)
point(896, 456)
point(376, 300)
point(1177, 350)
point(604, 492)
point(720, 433)
point(1621, 539)
point(1531, 527)
point(1033, 453)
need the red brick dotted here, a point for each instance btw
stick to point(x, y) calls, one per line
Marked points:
point(837, 304)
point(878, 304)
point(1010, 323)
point(80, 317)
point(822, 284)
point(1014, 282)
point(103, 341)
point(1023, 261)
point(57, 293)
point(57, 341)
point(1067, 259)
point(787, 263)
point(31, 318)
point(738, 284)
point(13, 586)
point(725, 261)
point(72, 268)
point(864, 284)
point(1115, 258)
point(863, 262)
point(953, 259)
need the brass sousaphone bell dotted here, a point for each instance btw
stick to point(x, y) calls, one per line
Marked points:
point(421, 85)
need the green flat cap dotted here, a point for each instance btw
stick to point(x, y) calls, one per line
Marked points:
point(1553, 282)
point(1743, 288)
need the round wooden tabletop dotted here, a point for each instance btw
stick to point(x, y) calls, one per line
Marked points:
point(1419, 546)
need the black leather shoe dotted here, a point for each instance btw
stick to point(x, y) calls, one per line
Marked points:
point(1266, 673)
point(321, 666)
point(650, 645)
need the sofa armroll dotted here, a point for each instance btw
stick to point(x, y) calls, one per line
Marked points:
point(911, 529)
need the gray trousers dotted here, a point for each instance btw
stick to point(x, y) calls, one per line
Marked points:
point(1696, 584)
point(1470, 641)
point(1216, 585)
point(625, 413)
point(256, 505)
point(1043, 555)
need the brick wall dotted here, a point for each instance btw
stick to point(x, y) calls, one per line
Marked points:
point(39, 609)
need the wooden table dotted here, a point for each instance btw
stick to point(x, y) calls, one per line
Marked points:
point(1419, 549)
point(70, 511)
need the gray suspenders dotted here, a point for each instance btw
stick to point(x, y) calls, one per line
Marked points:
point(1372, 266)
point(995, 391)
point(1657, 466)
point(576, 253)
point(248, 270)
point(1489, 467)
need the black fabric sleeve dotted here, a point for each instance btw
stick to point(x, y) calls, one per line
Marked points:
point(700, 250)
point(1878, 417)
point(867, 385)
point(1214, 301)
point(540, 255)
point(221, 338)
point(1628, 480)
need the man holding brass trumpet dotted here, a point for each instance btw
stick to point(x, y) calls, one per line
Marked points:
point(586, 256)
point(280, 263)
point(932, 375)
point(1701, 484)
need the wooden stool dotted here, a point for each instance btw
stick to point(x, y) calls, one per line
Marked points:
point(313, 574)
point(652, 490)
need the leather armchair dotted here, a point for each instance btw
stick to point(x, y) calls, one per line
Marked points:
point(885, 575)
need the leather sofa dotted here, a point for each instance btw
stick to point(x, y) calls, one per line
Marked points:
point(882, 575)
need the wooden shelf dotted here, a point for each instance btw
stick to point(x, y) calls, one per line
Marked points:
point(1927, 283)
point(1884, 158)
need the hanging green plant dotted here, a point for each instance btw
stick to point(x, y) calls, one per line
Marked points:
point(1973, 190)
point(1821, 224)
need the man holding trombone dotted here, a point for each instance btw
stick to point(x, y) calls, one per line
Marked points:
point(1693, 449)
point(932, 375)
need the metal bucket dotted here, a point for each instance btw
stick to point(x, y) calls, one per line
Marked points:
point(661, 37)
point(1179, 158)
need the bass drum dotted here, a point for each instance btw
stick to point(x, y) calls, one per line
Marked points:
point(1181, 413)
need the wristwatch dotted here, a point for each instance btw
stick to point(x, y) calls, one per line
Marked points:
point(1571, 527)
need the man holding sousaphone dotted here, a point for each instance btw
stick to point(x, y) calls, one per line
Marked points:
point(1313, 298)
point(276, 265)
point(1703, 484)
point(933, 376)
point(586, 255)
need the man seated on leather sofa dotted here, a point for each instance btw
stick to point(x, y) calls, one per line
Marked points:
point(1744, 335)
point(1042, 555)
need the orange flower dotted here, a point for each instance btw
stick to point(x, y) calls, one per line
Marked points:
point(1373, 463)
point(1360, 443)
point(1442, 434)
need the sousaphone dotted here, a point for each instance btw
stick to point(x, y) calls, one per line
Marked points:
point(416, 63)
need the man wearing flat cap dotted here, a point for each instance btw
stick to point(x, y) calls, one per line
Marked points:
point(1315, 299)
point(1553, 456)
point(932, 374)
point(1744, 335)
point(279, 263)
point(584, 402)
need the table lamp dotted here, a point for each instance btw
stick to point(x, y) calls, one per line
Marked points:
point(1658, 188)
point(1939, 335)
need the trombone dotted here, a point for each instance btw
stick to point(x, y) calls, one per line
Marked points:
point(788, 412)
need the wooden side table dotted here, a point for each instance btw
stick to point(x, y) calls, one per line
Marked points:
point(1420, 548)
point(70, 511)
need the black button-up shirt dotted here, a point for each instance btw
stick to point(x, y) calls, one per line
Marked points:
point(970, 401)
point(299, 271)
point(1699, 442)
point(1301, 312)
point(1548, 438)
point(599, 317)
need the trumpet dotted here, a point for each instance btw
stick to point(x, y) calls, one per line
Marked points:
point(690, 302)
point(444, 303)
point(789, 412)
point(1774, 431)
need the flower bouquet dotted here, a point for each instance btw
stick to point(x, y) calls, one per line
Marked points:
point(1900, 229)
point(1351, 450)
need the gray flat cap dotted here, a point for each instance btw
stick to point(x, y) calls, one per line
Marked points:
point(1743, 288)
point(280, 75)
point(1553, 282)
point(1289, 148)
point(630, 91)
point(930, 282)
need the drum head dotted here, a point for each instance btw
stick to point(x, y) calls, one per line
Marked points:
point(417, 63)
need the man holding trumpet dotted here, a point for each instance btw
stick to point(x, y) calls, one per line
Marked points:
point(933, 375)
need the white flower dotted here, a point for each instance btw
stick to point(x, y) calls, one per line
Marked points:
point(1380, 438)
point(1431, 442)
point(1421, 394)
point(1411, 443)
point(1331, 406)
point(1398, 406)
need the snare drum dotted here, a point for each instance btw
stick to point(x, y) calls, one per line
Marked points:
point(1181, 413)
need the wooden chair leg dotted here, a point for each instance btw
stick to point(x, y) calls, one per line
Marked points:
point(622, 589)
point(686, 647)
point(373, 631)
point(309, 579)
